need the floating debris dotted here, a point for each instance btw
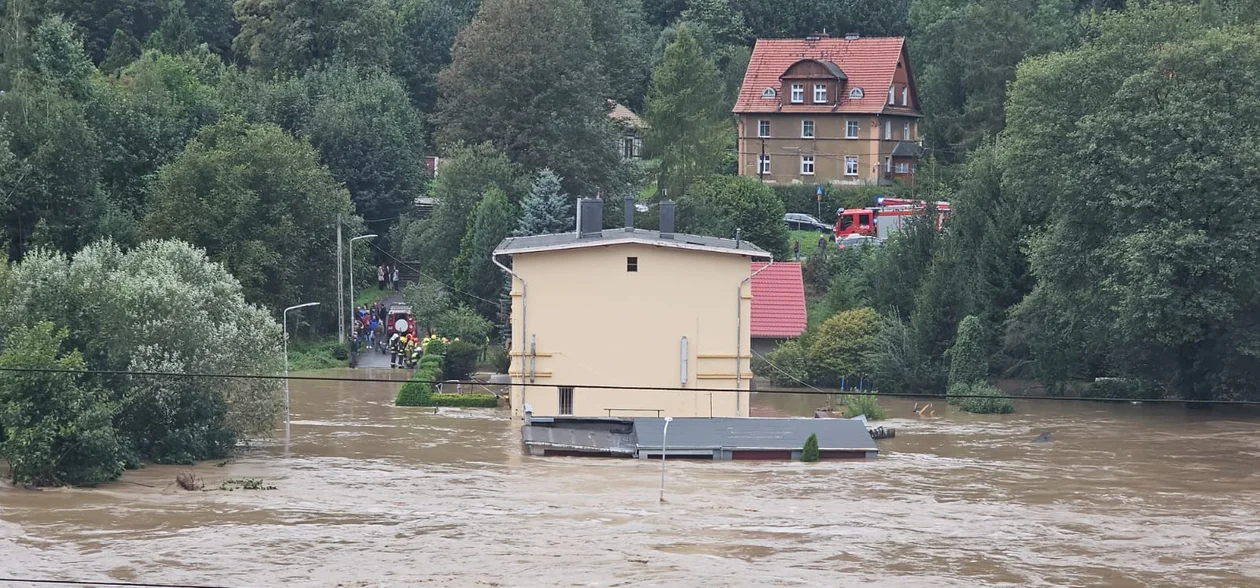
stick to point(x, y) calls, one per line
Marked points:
point(244, 484)
point(189, 481)
point(882, 433)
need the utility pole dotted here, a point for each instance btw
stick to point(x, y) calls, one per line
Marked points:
point(341, 300)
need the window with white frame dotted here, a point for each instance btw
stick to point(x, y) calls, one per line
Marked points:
point(901, 167)
point(820, 93)
point(807, 165)
point(905, 131)
point(892, 95)
point(851, 129)
point(888, 129)
point(807, 129)
point(850, 165)
point(904, 93)
point(798, 93)
point(763, 164)
point(763, 129)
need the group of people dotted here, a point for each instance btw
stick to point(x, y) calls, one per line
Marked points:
point(368, 322)
point(387, 276)
point(404, 350)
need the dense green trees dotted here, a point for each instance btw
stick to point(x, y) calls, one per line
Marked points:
point(162, 307)
point(540, 49)
point(547, 210)
point(477, 279)
point(259, 201)
point(722, 204)
point(287, 36)
point(687, 129)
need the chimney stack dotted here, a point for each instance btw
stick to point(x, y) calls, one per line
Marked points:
point(629, 214)
point(667, 219)
point(590, 217)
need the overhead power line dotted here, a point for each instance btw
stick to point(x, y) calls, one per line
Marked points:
point(813, 392)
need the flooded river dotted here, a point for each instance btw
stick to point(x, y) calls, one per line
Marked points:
point(373, 495)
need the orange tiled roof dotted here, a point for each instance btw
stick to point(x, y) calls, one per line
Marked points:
point(778, 304)
point(868, 63)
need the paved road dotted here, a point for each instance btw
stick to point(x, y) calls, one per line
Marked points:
point(373, 359)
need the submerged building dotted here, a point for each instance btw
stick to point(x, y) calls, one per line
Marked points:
point(657, 311)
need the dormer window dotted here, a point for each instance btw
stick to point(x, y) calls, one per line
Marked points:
point(768, 93)
point(798, 93)
point(820, 93)
point(855, 94)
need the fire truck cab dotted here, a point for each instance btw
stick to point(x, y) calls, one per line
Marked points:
point(888, 216)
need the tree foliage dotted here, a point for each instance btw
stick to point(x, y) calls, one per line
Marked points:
point(161, 307)
point(842, 346)
point(809, 453)
point(56, 424)
point(288, 36)
point(722, 204)
point(259, 202)
point(476, 277)
point(541, 49)
point(686, 127)
point(968, 358)
point(547, 210)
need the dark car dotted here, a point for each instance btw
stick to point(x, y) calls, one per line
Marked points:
point(804, 222)
point(859, 241)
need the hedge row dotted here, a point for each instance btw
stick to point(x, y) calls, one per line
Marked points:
point(464, 400)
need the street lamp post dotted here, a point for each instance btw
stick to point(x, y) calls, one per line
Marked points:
point(351, 270)
point(285, 318)
point(664, 436)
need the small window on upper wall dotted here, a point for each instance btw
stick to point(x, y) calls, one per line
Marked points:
point(632, 264)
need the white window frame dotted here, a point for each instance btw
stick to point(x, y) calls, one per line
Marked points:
point(820, 93)
point(905, 131)
point(807, 124)
point(763, 165)
point(850, 165)
point(901, 167)
point(763, 129)
point(892, 95)
point(888, 164)
point(854, 126)
point(888, 130)
point(905, 91)
point(798, 93)
point(807, 165)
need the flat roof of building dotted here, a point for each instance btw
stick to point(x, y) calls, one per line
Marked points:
point(609, 237)
point(753, 434)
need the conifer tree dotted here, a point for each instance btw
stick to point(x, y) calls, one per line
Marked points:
point(547, 210)
point(686, 129)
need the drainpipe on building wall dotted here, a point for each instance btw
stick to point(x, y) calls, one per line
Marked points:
point(524, 332)
point(739, 334)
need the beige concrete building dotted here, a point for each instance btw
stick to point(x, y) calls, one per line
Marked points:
point(629, 307)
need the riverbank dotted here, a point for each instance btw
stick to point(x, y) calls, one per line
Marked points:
point(307, 355)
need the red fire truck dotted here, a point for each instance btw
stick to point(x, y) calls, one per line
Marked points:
point(888, 216)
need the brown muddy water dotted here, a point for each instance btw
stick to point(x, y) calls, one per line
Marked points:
point(374, 495)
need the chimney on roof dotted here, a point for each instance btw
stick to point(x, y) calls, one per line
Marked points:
point(667, 219)
point(590, 217)
point(852, 36)
point(629, 213)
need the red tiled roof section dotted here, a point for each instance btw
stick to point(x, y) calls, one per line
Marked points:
point(868, 63)
point(778, 304)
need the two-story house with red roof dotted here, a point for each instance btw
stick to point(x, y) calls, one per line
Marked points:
point(829, 110)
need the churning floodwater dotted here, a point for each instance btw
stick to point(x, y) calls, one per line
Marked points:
point(369, 494)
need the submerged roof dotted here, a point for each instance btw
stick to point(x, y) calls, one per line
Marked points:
point(536, 243)
point(778, 304)
point(745, 434)
point(867, 63)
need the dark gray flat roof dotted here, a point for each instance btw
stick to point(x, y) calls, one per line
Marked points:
point(753, 433)
point(515, 245)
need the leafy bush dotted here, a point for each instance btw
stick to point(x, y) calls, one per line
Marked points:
point(980, 399)
point(464, 400)
point(842, 346)
point(418, 390)
point(809, 453)
point(463, 323)
point(867, 404)
point(499, 359)
point(434, 346)
point(460, 360)
point(789, 358)
point(898, 364)
point(719, 205)
point(1122, 389)
point(341, 352)
point(58, 426)
point(968, 362)
point(162, 306)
